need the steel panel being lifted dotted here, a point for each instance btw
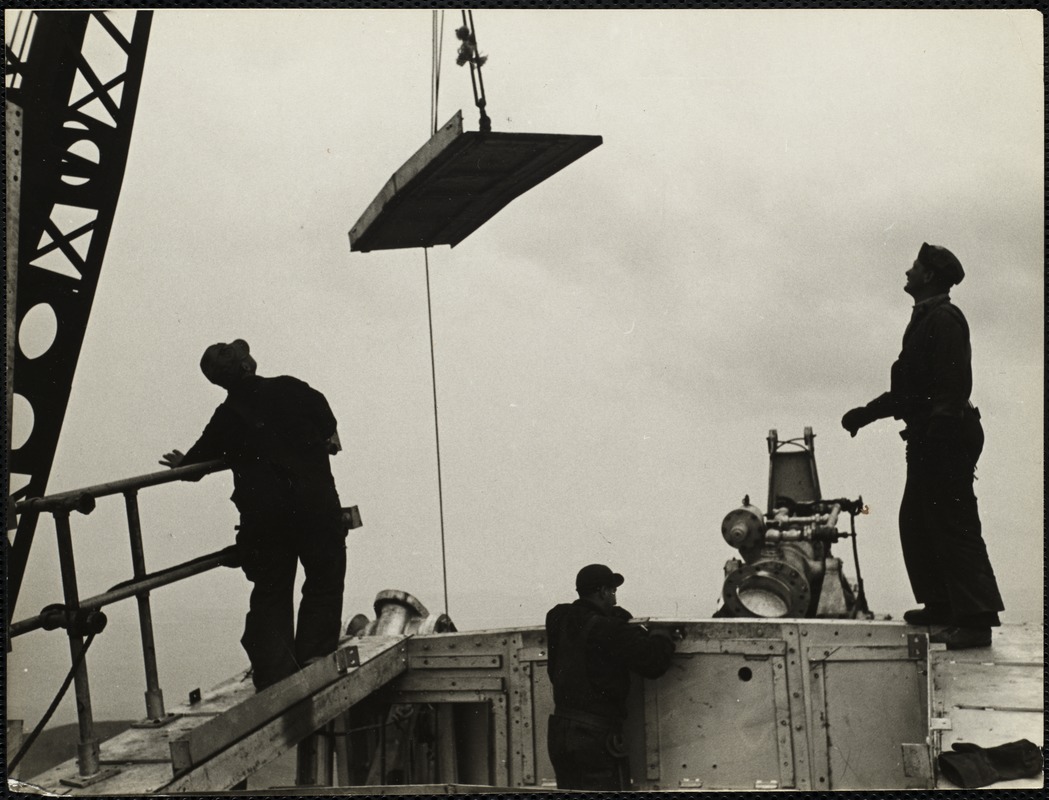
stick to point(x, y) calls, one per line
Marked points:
point(458, 181)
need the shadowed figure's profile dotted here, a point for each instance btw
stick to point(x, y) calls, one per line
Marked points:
point(276, 435)
point(940, 532)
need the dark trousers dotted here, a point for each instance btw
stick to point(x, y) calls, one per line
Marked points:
point(275, 645)
point(940, 529)
point(586, 755)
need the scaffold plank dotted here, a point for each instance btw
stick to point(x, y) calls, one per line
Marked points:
point(218, 733)
point(219, 765)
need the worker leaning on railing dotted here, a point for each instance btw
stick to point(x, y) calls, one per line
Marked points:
point(277, 434)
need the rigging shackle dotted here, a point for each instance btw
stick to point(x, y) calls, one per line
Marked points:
point(469, 54)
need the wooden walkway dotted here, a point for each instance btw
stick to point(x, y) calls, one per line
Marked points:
point(990, 696)
point(213, 744)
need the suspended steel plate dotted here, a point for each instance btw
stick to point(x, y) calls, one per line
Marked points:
point(458, 181)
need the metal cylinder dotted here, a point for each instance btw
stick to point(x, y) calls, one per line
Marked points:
point(743, 527)
point(394, 611)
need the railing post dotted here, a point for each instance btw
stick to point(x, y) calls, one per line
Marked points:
point(314, 755)
point(87, 748)
point(154, 696)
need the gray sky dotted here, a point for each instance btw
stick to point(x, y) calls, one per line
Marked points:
point(611, 349)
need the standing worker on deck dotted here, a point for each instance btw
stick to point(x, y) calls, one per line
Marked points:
point(276, 435)
point(592, 651)
point(943, 547)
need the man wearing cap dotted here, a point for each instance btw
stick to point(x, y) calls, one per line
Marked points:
point(276, 435)
point(943, 548)
point(592, 651)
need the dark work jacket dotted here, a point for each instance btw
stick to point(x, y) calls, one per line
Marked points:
point(591, 656)
point(273, 433)
point(932, 376)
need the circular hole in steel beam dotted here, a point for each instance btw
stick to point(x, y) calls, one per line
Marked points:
point(84, 150)
point(37, 332)
point(22, 421)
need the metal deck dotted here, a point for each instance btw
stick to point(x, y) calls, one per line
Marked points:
point(748, 704)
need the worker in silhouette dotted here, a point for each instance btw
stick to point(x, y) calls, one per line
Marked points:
point(592, 651)
point(943, 548)
point(276, 435)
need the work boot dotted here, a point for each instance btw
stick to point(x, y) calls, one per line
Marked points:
point(929, 615)
point(959, 638)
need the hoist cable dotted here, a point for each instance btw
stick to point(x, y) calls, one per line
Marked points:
point(436, 430)
point(435, 86)
point(429, 316)
point(51, 709)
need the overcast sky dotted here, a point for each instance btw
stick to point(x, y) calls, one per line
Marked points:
point(611, 349)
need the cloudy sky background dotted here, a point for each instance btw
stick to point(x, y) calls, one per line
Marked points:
point(611, 349)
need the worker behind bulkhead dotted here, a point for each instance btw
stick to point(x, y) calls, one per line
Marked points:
point(592, 651)
point(276, 435)
point(931, 381)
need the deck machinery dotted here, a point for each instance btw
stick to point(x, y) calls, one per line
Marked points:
point(775, 698)
point(783, 702)
point(787, 568)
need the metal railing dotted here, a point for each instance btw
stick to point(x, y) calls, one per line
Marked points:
point(80, 617)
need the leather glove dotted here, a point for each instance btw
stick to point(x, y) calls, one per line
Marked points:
point(1019, 759)
point(857, 418)
point(971, 766)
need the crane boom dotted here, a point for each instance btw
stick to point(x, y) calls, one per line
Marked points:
point(76, 113)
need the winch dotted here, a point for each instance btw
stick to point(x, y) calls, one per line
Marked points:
point(787, 568)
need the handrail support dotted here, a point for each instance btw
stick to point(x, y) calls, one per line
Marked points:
point(154, 695)
point(87, 746)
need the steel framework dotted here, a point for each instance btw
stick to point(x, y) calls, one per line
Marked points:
point(77, 106)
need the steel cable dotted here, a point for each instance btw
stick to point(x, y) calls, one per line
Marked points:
point(51, 709)
point(436, 73)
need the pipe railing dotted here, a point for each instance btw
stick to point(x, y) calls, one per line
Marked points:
point(70, 615)
point(122, 591)
point(70, 501)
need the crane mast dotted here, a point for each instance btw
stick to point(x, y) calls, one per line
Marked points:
point(73, 80)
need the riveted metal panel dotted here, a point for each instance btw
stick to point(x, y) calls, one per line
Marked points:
point(455, 662)
point(542, 708)
point(868, 705)
point(696, 742)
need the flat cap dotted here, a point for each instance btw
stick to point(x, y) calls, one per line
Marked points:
point(596, 576)
point(222, 361)
point(943, 262)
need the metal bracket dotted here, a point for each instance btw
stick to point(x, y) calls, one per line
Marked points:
point(690, 783)
point(918, 646)
point(940, 724)
point(82, 781)
point(156, 723)
point(347, 657)
point(917, 761)
point(766, 784)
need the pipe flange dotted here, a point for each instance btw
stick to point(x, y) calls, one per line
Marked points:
point(403, 599)
point(766, 589)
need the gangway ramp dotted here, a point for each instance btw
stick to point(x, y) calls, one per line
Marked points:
point(231, 731)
